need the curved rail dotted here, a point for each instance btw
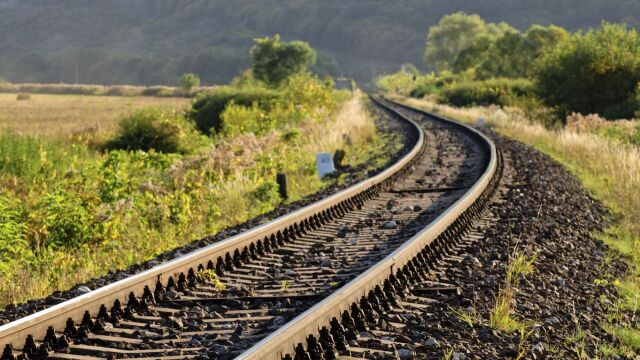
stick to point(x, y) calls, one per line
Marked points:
point(15, 333)
point(284, 340)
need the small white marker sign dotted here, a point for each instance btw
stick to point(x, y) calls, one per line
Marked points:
point(480, 122)
point(324, 162)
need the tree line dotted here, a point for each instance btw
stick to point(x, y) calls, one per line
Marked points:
point(480, 63)
point(152, 42)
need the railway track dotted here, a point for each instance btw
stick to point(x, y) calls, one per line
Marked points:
point(306, 285)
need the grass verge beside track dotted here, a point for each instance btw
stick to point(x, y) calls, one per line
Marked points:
point(160, 201)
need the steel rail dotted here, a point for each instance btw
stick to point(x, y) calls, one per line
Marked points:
point(15, 333)
point(284, 340)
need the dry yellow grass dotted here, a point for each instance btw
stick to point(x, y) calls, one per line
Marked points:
point(64, 116)
point(351, 125)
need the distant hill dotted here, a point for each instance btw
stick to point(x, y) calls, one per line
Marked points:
point(155, 41)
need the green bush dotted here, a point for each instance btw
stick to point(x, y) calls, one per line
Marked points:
point(207, 109)
point(156, 129)
point(238, 119)
point(189, 81)
point(502, 92)
point(422, 89)
point(597, 73)
point(275, 60)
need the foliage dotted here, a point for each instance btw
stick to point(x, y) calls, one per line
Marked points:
point(595, 73)
point(401, 82)
point(232, 111)
point(207, 109)
point(455, 33)
point(189, 81)
point(238, 119)
point(275, 60)
point(66, 220)
point(487, 92)
point(510, 55)
point(304, 96)
point(13, 230)
point(417, 85)
point(154, 129)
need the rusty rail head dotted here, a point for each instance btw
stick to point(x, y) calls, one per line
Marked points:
point(15, 333)
point(284, 340)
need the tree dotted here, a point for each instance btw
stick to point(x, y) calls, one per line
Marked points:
point(275, 60)
point(455, 33)
point(595, 73)
point(506, 58)
point(189, 81)
point(540, 39)
point(512, 54)
point(474, 55)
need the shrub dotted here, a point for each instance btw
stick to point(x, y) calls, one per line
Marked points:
point(275, 60)
point(400, 82)
point(494, 91)
point(595, 73)
point(239, 119)
point(23, 96)
point(189, 81)
point(156, 129)
point(207, 109)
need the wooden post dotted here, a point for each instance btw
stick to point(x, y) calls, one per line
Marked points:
point(281, 179)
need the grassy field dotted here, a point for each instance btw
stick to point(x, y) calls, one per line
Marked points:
point(71, 211)
point(68, 117)
point(606, 158)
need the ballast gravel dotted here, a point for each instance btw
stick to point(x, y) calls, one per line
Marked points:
point(543, 213)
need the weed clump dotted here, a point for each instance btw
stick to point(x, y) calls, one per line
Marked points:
point(207, 109)
point(500, 317)
point(501, 92)
point(154, 129)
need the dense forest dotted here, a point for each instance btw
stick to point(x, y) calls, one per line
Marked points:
point(155, 41)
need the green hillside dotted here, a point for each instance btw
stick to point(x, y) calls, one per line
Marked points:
point(154, 41)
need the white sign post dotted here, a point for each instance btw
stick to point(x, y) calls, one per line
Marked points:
point(480, 122)
point(324, 163)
